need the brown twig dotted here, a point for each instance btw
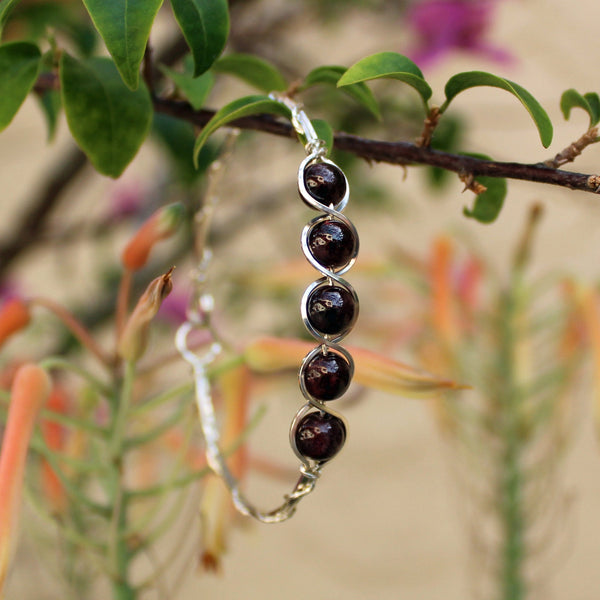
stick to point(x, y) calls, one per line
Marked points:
point(429, 125)
point(27, 230)
point(400, 153)
point(570, 153)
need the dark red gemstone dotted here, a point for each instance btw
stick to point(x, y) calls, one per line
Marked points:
point(332, 243)
point(331, 309)
point(325, 183)
point(320, 436)
point(326, 376)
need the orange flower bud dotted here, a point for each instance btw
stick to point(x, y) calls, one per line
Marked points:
point(134, 338)
point(159, 226)
point(14, 316)
point(30, 390)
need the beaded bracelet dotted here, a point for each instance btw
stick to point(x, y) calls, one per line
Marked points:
point(329, 309)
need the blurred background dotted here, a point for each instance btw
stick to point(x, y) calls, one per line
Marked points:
point(392, 516)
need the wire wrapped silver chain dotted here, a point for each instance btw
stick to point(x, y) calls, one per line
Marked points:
point(329, 309)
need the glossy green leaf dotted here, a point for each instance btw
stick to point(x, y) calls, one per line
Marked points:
point(107, 119)
point(194, 89)
point(5, 7)
point(253, 70)
point(589, 102)
point(594, 102)
point(470, 79)
point(324, 132)
point(125, 27)
point(178, 138)
point(330, 75)
point(387, 65)
point(51, 106)
point(19, 66)
point(242, 107)
point(487, 206)
point(205, 27)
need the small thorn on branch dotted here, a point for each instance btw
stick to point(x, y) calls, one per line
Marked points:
point(471, 183)
point(570, 153)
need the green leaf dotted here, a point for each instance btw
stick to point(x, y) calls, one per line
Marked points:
point(19, 67)
point(253, 70)
point(205, 27)
point(242, 107)
point(5, 7)
point(589, 102)
point(594, 102)
point(387, 65)
point(178, 139)
point(195, 89)
point(51, 105)
point(324, 132)
point(330, 75)
point(470, 79)
point(125, 27)
point(107, 119)
point(487, 206)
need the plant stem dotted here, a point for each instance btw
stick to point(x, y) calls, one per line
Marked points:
point(120, 554)
point(511, 483)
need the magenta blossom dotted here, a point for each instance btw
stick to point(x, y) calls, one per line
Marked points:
point(173, 309)
point(443, 26)
point(125, 201)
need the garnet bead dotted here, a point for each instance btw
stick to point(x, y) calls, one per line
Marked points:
point(331, 309)
point(326, 376)
point(332, 243)
point(319, 436)
point(325, 183)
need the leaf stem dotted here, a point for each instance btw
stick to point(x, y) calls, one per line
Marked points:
point(75, 327)
point(119, 554)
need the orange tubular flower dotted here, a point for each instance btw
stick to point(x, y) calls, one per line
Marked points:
point(268, 355)
point(444, 319)
point(159, 226)
point(30, 390)
point(216, 509)
point(14, 316)
point(55, 436)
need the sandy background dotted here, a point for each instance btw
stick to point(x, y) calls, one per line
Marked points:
point(386, 522)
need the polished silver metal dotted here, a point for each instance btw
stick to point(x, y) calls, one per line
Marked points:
point(199, 318)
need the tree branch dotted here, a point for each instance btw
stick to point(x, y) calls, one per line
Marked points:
point(400, 153)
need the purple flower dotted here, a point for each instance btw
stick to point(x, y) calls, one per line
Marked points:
point(126, 201)
point(442, 26)
point(173, 309)
point(8, 291)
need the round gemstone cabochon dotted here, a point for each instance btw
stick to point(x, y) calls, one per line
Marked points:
point(331, 309)
point(325, 183)
point(326, 376)
point(331, 243)
point(319, 436)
